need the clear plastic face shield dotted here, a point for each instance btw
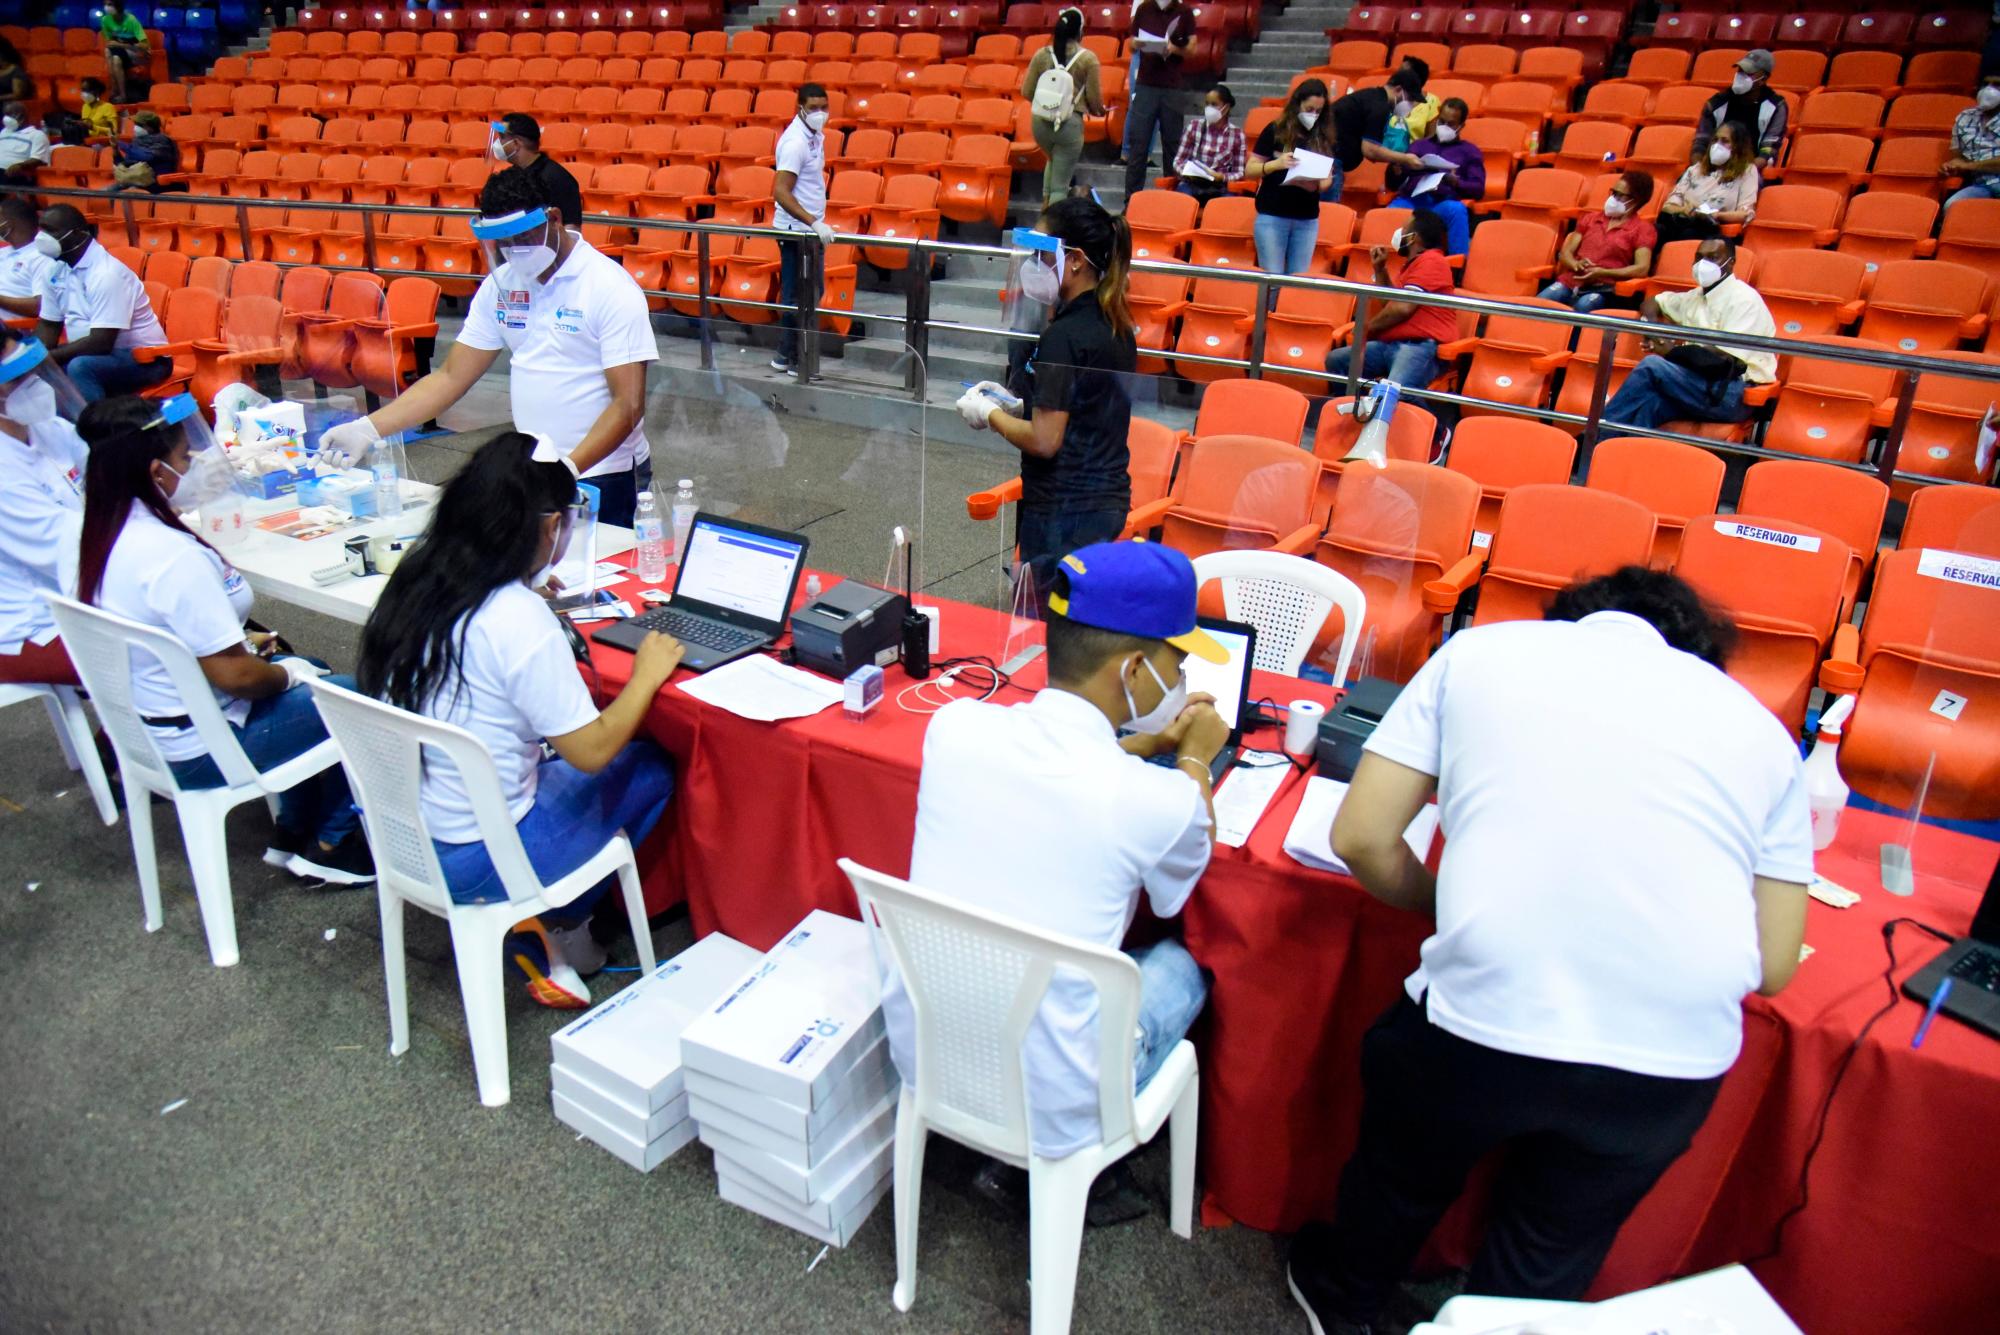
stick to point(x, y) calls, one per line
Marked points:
point(35, 393)
point(1034, 279)
point(210, 483)
point(500, 142)
point(519, 247)
point(573, 557)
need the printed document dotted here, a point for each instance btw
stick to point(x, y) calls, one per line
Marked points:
point(1245, 792)
point(1309, 166)
point(1310, 840)
point(762, 688)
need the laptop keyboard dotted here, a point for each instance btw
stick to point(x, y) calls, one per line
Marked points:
point(1979, 968)
point(691, 629)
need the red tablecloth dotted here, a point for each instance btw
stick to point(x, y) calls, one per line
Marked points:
point(1900, 1232)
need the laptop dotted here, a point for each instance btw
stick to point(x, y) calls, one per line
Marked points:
point(732, 593)
point(1973, 965)
point(1228, 682)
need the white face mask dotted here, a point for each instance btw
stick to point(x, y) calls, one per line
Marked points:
point(1741, 84)
point(1403, 109)
point(88, 98)
point(1615, 207)
point(9, 124)
point(1163, 3)
point(529, 262)
point(168, 493)
point(1042, 282)
point(1989, 98)
point(1719, 154)
point(1213, 115)
point(500, 153)
point(48, 245)
point(32, 403)
point(1308, 119)
point(816, 121)
point(1445, 134)
point(1396, 239)
point(1161, 716)
point(1707, 273)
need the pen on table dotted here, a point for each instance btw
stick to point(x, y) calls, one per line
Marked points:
point(1937, 1001)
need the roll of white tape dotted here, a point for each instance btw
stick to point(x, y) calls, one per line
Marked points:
point(1302, 726)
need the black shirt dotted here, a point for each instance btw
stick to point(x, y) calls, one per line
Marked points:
point(1274, 197)
point(559, 186)
point(1079, 368)
point(1359, 116)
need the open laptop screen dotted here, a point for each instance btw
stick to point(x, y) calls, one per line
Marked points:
point(1228, 682)
point(742, 571)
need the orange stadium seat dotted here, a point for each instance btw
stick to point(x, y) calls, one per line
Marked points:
point(1549, 536)
point(1925, 305)
point(1842, 501)
point(1958, 519)
point(1215, 322)
point(1238, 492)
point(1392, 530)
point(1514, 358)
point(1671, 479)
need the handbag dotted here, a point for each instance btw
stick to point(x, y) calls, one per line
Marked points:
point(1711, 364)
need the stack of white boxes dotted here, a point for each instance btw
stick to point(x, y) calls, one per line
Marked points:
point(616, 1076)
point(789, 1078)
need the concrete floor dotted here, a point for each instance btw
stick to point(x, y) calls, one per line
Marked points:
point(312, 1182)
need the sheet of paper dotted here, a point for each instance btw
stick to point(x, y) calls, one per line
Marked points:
point(1198, 172)
point(611, 570)
point(1148, 41)
point(1309, 166)
point(1438, 162)
point(762, 688)
point(1832, 895)
point(1245, 793)
point(1426, 184)
point(1310, 840)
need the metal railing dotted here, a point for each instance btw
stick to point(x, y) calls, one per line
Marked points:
point(918, 323)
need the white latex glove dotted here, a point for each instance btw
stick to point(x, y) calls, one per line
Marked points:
point(995, 393)
point(975, 408)
point(824, 232)
point(346, 445)
point(298, 671)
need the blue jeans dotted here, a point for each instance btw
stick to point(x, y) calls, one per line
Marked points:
point(1171, 993)
point(1581, 300)
point(1659, 391)
point(1979, 187)
point(1457, 222)
point(1409, 362)
point(117, 372)
point(617, 496)
point(1047, 536)
point(1132, 82)
point(573, 817)
point(279, 728)
point(1284, 245)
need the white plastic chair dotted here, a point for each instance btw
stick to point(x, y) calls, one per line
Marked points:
point(975, 980)
point(101, 646)
point(73, 734)
point(1286, 598)
point(382, 747)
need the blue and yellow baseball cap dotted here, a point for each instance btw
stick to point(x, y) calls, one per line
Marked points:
point(1136, 588)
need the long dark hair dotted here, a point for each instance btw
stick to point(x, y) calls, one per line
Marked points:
point(1106, 242)
point(126, 436)
point(484, 533)
point(1068, 31)
point(1290, 132)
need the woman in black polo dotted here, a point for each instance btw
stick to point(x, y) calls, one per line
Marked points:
point(1076, 483)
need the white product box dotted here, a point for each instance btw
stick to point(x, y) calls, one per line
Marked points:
point(629, 1047)
point(787, 1126)
point(798, 1021)
point(613, 1113)
point(788, 1180)
point(834, 1219)
point(642, 1155)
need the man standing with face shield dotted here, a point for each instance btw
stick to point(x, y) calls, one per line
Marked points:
point(95, 317)
point(580, 338)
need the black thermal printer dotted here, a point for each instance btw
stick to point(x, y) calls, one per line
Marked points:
point(850, 625)
point(1348, 725)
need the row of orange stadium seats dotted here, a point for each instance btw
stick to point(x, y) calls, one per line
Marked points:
point(1796, 70)
point(665, 40)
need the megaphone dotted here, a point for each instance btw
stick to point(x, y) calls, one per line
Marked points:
point(1371, 446)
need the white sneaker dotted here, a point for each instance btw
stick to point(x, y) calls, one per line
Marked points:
point(551, 982)
point(578, 948)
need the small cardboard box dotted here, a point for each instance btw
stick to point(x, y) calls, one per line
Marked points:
point(642, 1155)
point(788, 1181)
point(620, 1116)
point(796, 1023)
point(835, 1219)
point(784, 1126)
point(630, 1046)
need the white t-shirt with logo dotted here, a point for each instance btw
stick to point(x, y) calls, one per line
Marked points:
point(802, 153)
point(164, 577)
point(24, 272)
point(517, 684)
point(561, 338)
point(1606, 801)
point(99, 292)
point(41, 516)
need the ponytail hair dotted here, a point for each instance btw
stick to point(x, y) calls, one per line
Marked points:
point(1106, 241)
point(126, 436)
point(1068, 31)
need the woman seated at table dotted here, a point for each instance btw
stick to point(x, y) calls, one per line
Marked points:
point(1464, 179)
point(137, 560)
point(1720, 188)
point(460, 635)
point(41, 509)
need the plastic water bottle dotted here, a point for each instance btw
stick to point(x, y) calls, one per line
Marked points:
point(812, 584)
point(1826, 791)
point(684, 508)
point(651, 530)
point(388, 480)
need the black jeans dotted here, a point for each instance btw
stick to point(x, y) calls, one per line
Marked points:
point(791, 269)
point(1685, 227)
point(618, 496)
point(1047, 536)
point(1583, 1145)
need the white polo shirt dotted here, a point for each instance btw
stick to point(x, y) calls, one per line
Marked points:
point(24, 271)
point(518, 683)
point(41, 516)
point(561, 337)
point(1732, 306)
point(1605, 802)
point(802, 153)
point(28, 143)
point(164, 577)
point(1035, 812)
point(99, 292)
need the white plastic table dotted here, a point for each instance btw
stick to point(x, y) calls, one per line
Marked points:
point(281, 568)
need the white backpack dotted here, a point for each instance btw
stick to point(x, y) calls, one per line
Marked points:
point(1055, 91)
